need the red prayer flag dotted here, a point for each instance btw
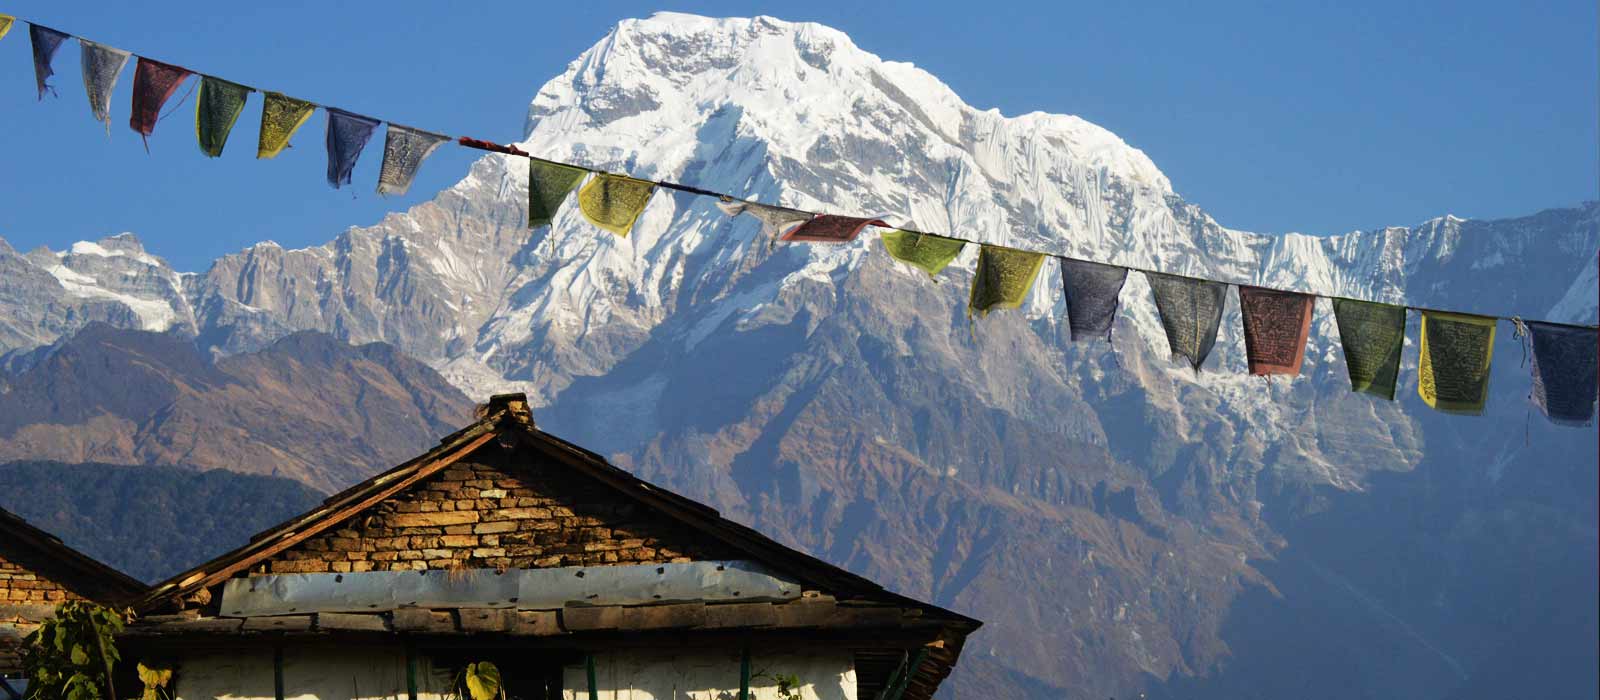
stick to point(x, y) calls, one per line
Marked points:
point(827, 228)
point(153, 83)
point(1276, 325)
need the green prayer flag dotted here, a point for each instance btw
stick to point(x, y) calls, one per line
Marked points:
point(281, 116)
point(614, 202)
point(923, 251)
point(1003, 279)
point(548, 185)
point(1372, 335)
point(215, 112)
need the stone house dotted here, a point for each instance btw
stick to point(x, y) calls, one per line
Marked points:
point(577, 579)
point(37, 573)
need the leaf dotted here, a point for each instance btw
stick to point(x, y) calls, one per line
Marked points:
point(79, 656)
point(483, 681)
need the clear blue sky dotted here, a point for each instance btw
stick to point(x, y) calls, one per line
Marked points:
point(1273, 116)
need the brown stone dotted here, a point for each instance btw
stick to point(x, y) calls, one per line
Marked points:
point(433, 519)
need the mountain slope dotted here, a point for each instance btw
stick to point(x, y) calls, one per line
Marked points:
point(1123, 524)
point(307, 407)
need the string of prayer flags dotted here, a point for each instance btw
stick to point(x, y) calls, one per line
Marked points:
point(1091, 290)
point(1191, 313)
point(1453, 373)
point(1372, 336)
point(1564, 372)
point(548, 186)
point(827, 228)
point(102, 65)
point(153, 83)
point(347, 135)
point(614, 202)
point(774, 220)
point(924, 251)
point(5, 24)
point(1003, 279)
point(1276, 325)
point(218, 107)
point(45, 42)
point(281, 116)
point(404, 149)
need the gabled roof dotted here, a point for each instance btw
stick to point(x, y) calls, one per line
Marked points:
point(72, 569)
point(507, 420)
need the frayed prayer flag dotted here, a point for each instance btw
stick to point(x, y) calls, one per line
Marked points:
point(45, 42)
point(614, 202)
point(153, 83)
point(1453, 373)
point(1003, 279)
point(1191, 313)
point(1372, 336)
point(1564, 372)
point(404, 149)
point(827, 228)
point(218, 107)
point(1276, 325)
point(281, 116)
point(5, 24)
point(347, 135)
point(774, 220)
point(924, 251)
point(102, 65)
point(548, 186)
point(1091, 290)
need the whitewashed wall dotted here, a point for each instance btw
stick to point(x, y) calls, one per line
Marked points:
point(308, 674)
point(710, 676)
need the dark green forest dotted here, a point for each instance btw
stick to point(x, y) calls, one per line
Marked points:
point(149, 521)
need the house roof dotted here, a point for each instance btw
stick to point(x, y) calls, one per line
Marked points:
point(506, 419)
point(72, 569)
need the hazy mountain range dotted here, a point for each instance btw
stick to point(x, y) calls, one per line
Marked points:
point(1121, 523)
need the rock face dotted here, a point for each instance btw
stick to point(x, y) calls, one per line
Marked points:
point(307, 407)
point(1123, 524)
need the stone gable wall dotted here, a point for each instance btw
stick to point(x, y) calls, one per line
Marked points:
point(22, 592)
point(490, 514)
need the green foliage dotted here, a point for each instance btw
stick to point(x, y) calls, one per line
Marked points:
point(482, 681)
point(71, 655)
point(155, 678)
point(789, 685)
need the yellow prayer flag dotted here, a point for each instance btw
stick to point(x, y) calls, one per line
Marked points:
point(614, 202)
point(1453, 374)
point(5, 24)
point(281, 116)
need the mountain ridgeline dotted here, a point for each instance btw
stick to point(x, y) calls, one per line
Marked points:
point(1122, 524)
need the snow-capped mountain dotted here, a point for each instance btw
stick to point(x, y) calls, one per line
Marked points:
point(1107, 510)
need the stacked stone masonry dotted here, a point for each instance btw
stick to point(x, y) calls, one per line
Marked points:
point(492, 515)
point(20, 585)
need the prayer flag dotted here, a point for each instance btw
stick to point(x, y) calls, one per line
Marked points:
point(774, 220)
point(1372, 336)
point(614, 202)
point(1453, 374)
point(101, 67)
point(548, 186)
point(404, 149)
point(5, 24)
point(827, 228)
point(1003, 279)
point(153, 83)
point(1564, 372)
point(923, 251)
point(1276, 325)
point(1191, 312)
point(1091, 290)
point(347, 135)
point(45, 42)
point(215, 112)
point(281, 116)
